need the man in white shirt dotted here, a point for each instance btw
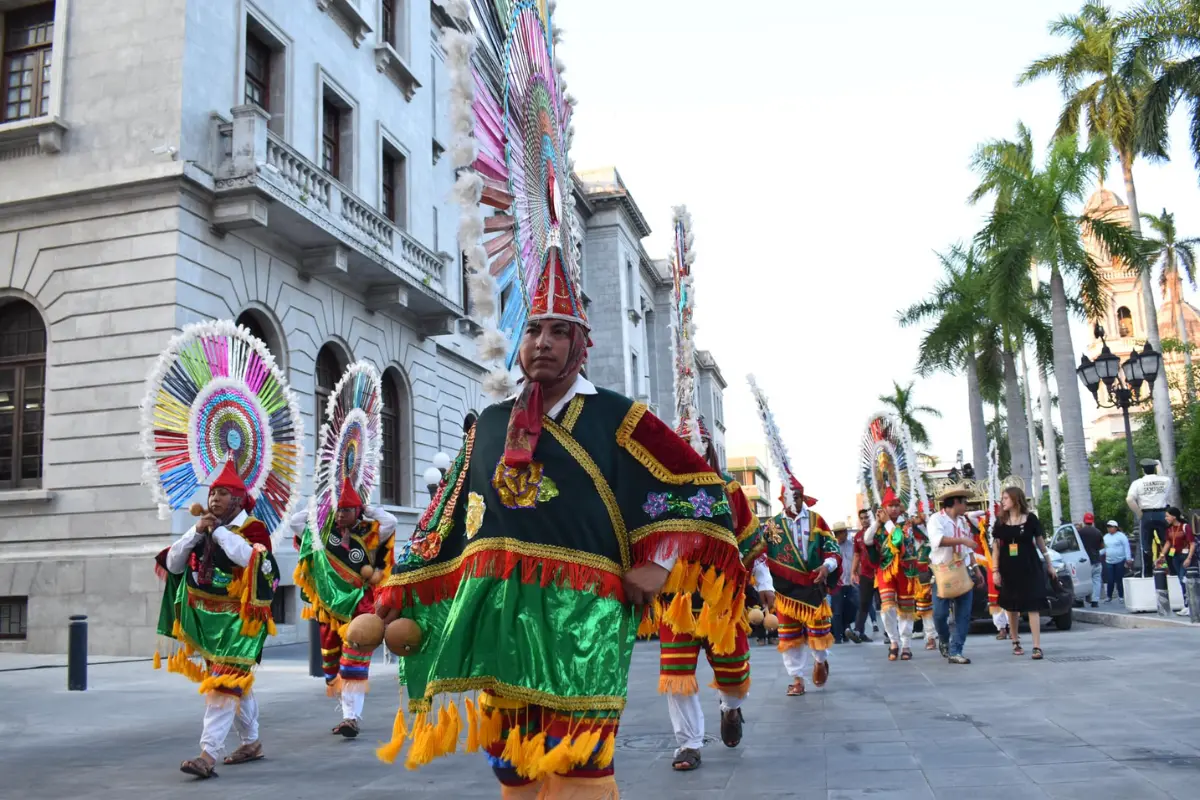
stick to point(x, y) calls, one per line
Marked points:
point(1147, 498)
point(950, 543)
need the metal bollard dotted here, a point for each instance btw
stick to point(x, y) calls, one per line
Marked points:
point(77, 654)
point(1193, 592)
point(315, 664)
point(1164, 596)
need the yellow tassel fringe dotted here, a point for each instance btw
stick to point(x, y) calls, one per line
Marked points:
point(684, 685)
point(387, 753)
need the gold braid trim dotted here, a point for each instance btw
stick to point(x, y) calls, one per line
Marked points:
point(447, 520)
point(574, 409)
point(650, 462)
point(602, 488)
point(504, 545)
point(733, 487)
point(509, 692)
point(710, 529)
point(802, 612)
point(192, 647)
point(748, 531)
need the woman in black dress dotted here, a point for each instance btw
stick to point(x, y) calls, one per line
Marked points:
point(1020, 576)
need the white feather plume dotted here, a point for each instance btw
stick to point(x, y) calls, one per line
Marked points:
point(467, 191)
point(470, 230)
point(779, 454)
point(492, 345)
point(499, 383)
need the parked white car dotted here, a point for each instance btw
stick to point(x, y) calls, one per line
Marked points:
point(1066, 550)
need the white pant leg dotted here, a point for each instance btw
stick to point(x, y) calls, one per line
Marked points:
point(795, 661)
point(890, 618)
point(1000, 620)
point(219, 712)
point(730, 702)
point(246, 721)
point(906, 628)
point(687, 718)
point(820, 656)
point(352, 704)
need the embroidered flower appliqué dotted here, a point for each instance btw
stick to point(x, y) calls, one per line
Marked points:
point(656, 504)
point(702, 505)
point(474, 514)
point(519, 488)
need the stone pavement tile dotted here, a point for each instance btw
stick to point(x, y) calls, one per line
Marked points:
point(1177, 776)
point(1023, 753)
point(1003, 792)
point(1163, 750)
point(977, 776)
point(783, 777)
point(1097, 772)
point(914, 793)
point(881, 763)
point(658, 779)
point(1114, 788)
point(1043, 731)
point(941, 733)
point(932, 758)
point(876, 779)
point(887, 735)
point(866, 749)
point(972, 744)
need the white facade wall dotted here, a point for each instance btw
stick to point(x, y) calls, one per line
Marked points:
point(115, 246)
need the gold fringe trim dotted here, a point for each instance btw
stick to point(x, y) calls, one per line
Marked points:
point(801, 612)
point(650, 462)
point(684, 685)
point(389, 751)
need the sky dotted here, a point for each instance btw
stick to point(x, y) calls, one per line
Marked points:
point(823, 151)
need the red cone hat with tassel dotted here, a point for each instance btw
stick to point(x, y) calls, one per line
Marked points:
point(349, 498)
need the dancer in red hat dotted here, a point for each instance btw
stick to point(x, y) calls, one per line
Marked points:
point(339, 577)
point(896, 552)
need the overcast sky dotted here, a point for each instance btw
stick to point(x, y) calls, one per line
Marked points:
point(823, 151)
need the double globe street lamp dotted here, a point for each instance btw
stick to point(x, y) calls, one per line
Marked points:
point(1124, 392)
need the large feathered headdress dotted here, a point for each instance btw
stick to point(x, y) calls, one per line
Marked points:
point(779, 453)
point(683, 331)
point(511, 121)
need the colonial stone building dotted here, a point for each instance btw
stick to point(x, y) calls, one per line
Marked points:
point(277, 162)
point(628, 296)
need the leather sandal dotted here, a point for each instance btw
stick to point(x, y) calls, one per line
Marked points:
point(199, 767)
point(906, 654)
point(687, 760)
point(731, 727)
point(246, 753)
point(796, 688)
point(1017, 651)
point(893, 653)
point(1037, 654)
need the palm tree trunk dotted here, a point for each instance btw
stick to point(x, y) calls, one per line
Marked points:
point(978, 426)
point(1018, 439)
point(1051, 448)
point(1074, 446)
point(1164, 419)
point(1035, 466)
point(1177, 290)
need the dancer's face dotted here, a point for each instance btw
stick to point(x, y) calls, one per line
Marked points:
point(220, 502)
point(544, 350)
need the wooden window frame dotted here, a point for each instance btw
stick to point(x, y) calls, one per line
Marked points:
point(387, 180)
point(21, 602)
point(332, 142)
point(390, 481)
point(387, 21)
point(41, 93)
point(21, 364)
point(255, 45)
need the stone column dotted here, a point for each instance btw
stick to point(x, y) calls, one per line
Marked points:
point(249, 138)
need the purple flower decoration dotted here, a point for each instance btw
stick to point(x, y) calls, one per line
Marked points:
point(702, 504)
point(655, 505)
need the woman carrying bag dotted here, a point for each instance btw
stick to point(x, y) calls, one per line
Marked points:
point(1022, 577)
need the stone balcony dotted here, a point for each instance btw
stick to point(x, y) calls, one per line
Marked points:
point(262, 182)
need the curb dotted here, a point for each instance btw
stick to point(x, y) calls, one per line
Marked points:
point(1128, 621)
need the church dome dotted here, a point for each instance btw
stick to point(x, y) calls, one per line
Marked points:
point(1104, 200)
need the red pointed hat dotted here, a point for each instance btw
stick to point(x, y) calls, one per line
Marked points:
point(228, 478)
point(889, 497)
point(555, 296)
point(349, 498)
point(798, 490)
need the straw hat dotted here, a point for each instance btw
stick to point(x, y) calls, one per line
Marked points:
point(954, 490)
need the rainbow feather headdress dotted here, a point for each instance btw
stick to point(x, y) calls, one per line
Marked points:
point(510, 117)
point(889, 461)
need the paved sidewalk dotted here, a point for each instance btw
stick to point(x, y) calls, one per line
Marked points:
point(1000, 728)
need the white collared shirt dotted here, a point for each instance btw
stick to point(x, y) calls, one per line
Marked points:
point(235, 546)
point(940, 526)
point(581, 386)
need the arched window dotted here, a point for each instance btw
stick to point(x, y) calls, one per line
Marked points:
point(22, 389)
point(395, 460)
point(326, 373)
point(1124, 323)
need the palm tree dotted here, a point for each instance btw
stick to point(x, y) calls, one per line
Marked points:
point(956, 308)
point(1038, 225)
point(1106, 93)
point(1173, 253)
point(901, 402)
point(995, 160)
point(1166, 34)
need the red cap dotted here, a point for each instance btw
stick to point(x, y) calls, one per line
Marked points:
point(1089, 518)
point(349, 498)
point(798, 491)
point(228, 478)
point(555, 297)
point(890, 498)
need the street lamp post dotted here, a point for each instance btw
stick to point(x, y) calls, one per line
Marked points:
point(1123, 390)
